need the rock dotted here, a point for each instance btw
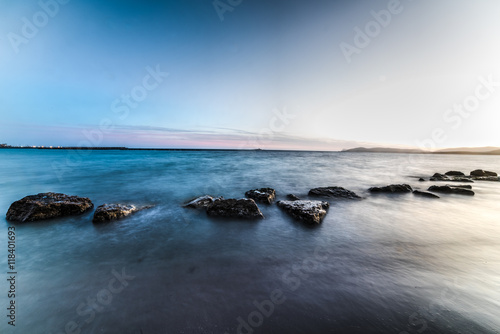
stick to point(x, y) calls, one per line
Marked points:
point(292, 197)
point(480, 172)
point(262, 195)
point(310, 212)
point(337, 192)
point(460, 179)
point(454, 173)
point(439, 177)
point(464, 186)
point(425, 194)
point(235, 208)
point(201, 202)
point(393, 188)
point(108, 212)
point(421, 180)
point(486, 178)
point(451, 190)
point(46, 206)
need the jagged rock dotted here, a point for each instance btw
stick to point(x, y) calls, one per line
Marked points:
point(393, 188)
point(480, 172)
point(451, 190)
point(464, 186)
point(292, 197)
point(454, 173)
point(46, 206)
point(310, 212)
point(235, 208)
point(425, 194)
point(262, 195)
point(201, 202)
point(337, 192)
point(108, 212)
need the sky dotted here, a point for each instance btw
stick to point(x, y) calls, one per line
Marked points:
point(290, 74)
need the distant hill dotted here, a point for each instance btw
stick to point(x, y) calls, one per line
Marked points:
point(460, 150)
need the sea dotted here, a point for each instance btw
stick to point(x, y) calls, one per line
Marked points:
point(383, 264)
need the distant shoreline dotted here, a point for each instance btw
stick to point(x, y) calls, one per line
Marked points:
point(354, 150)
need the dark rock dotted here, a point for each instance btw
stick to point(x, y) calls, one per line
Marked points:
point(464, 186)
point(108, 212)
point(235, 208)
point(439, 177)
point(425, 194)
point(393, 188)
point(451, 190)
point(460, 179)
point(337, 192)
point(454, 173)
point(292, 197)
point(310, 212)
point(262, 195)
point(200, 202)
point(46, 206)
point(480, 172)
point(421, 180)
point(486, 178)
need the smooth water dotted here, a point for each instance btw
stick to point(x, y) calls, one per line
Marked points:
point(384, 264)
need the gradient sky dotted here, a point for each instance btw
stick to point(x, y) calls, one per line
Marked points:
point(230, 82)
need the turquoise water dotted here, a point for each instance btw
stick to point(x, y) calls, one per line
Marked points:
point(385, 264)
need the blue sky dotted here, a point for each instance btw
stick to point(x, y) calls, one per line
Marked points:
point(271, 74)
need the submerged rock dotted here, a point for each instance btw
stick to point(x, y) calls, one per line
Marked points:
point(454, 173)
point(393, 188)
point(46, 206)
point(292, 197)
point(425, 194)
point(108, 212)
point(235, 208)
point(451, 190)
point(486, 178)
point(262, 195)
point(480, 172)
point(310, 212)
point(337, 192)
point(201, 202)
point(464, 186)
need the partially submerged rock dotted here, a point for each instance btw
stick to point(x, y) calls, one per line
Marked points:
point(201, 202)
point(262, 195)
point(480, 172)
point(451, 190)
point(421, 180)
point(46, 206)
point(454, 173)
point(464, 186)
point(425, 194)
point(310, 212)
point(486, 178)
point(109, 212)
point(235, 208)
point(439, 177)
point(337, 192)
point(292, 197)
point(393, 188)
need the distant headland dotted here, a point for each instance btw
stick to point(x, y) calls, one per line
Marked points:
point(461, 150)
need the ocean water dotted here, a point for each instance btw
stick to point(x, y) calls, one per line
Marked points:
point(383, 264)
